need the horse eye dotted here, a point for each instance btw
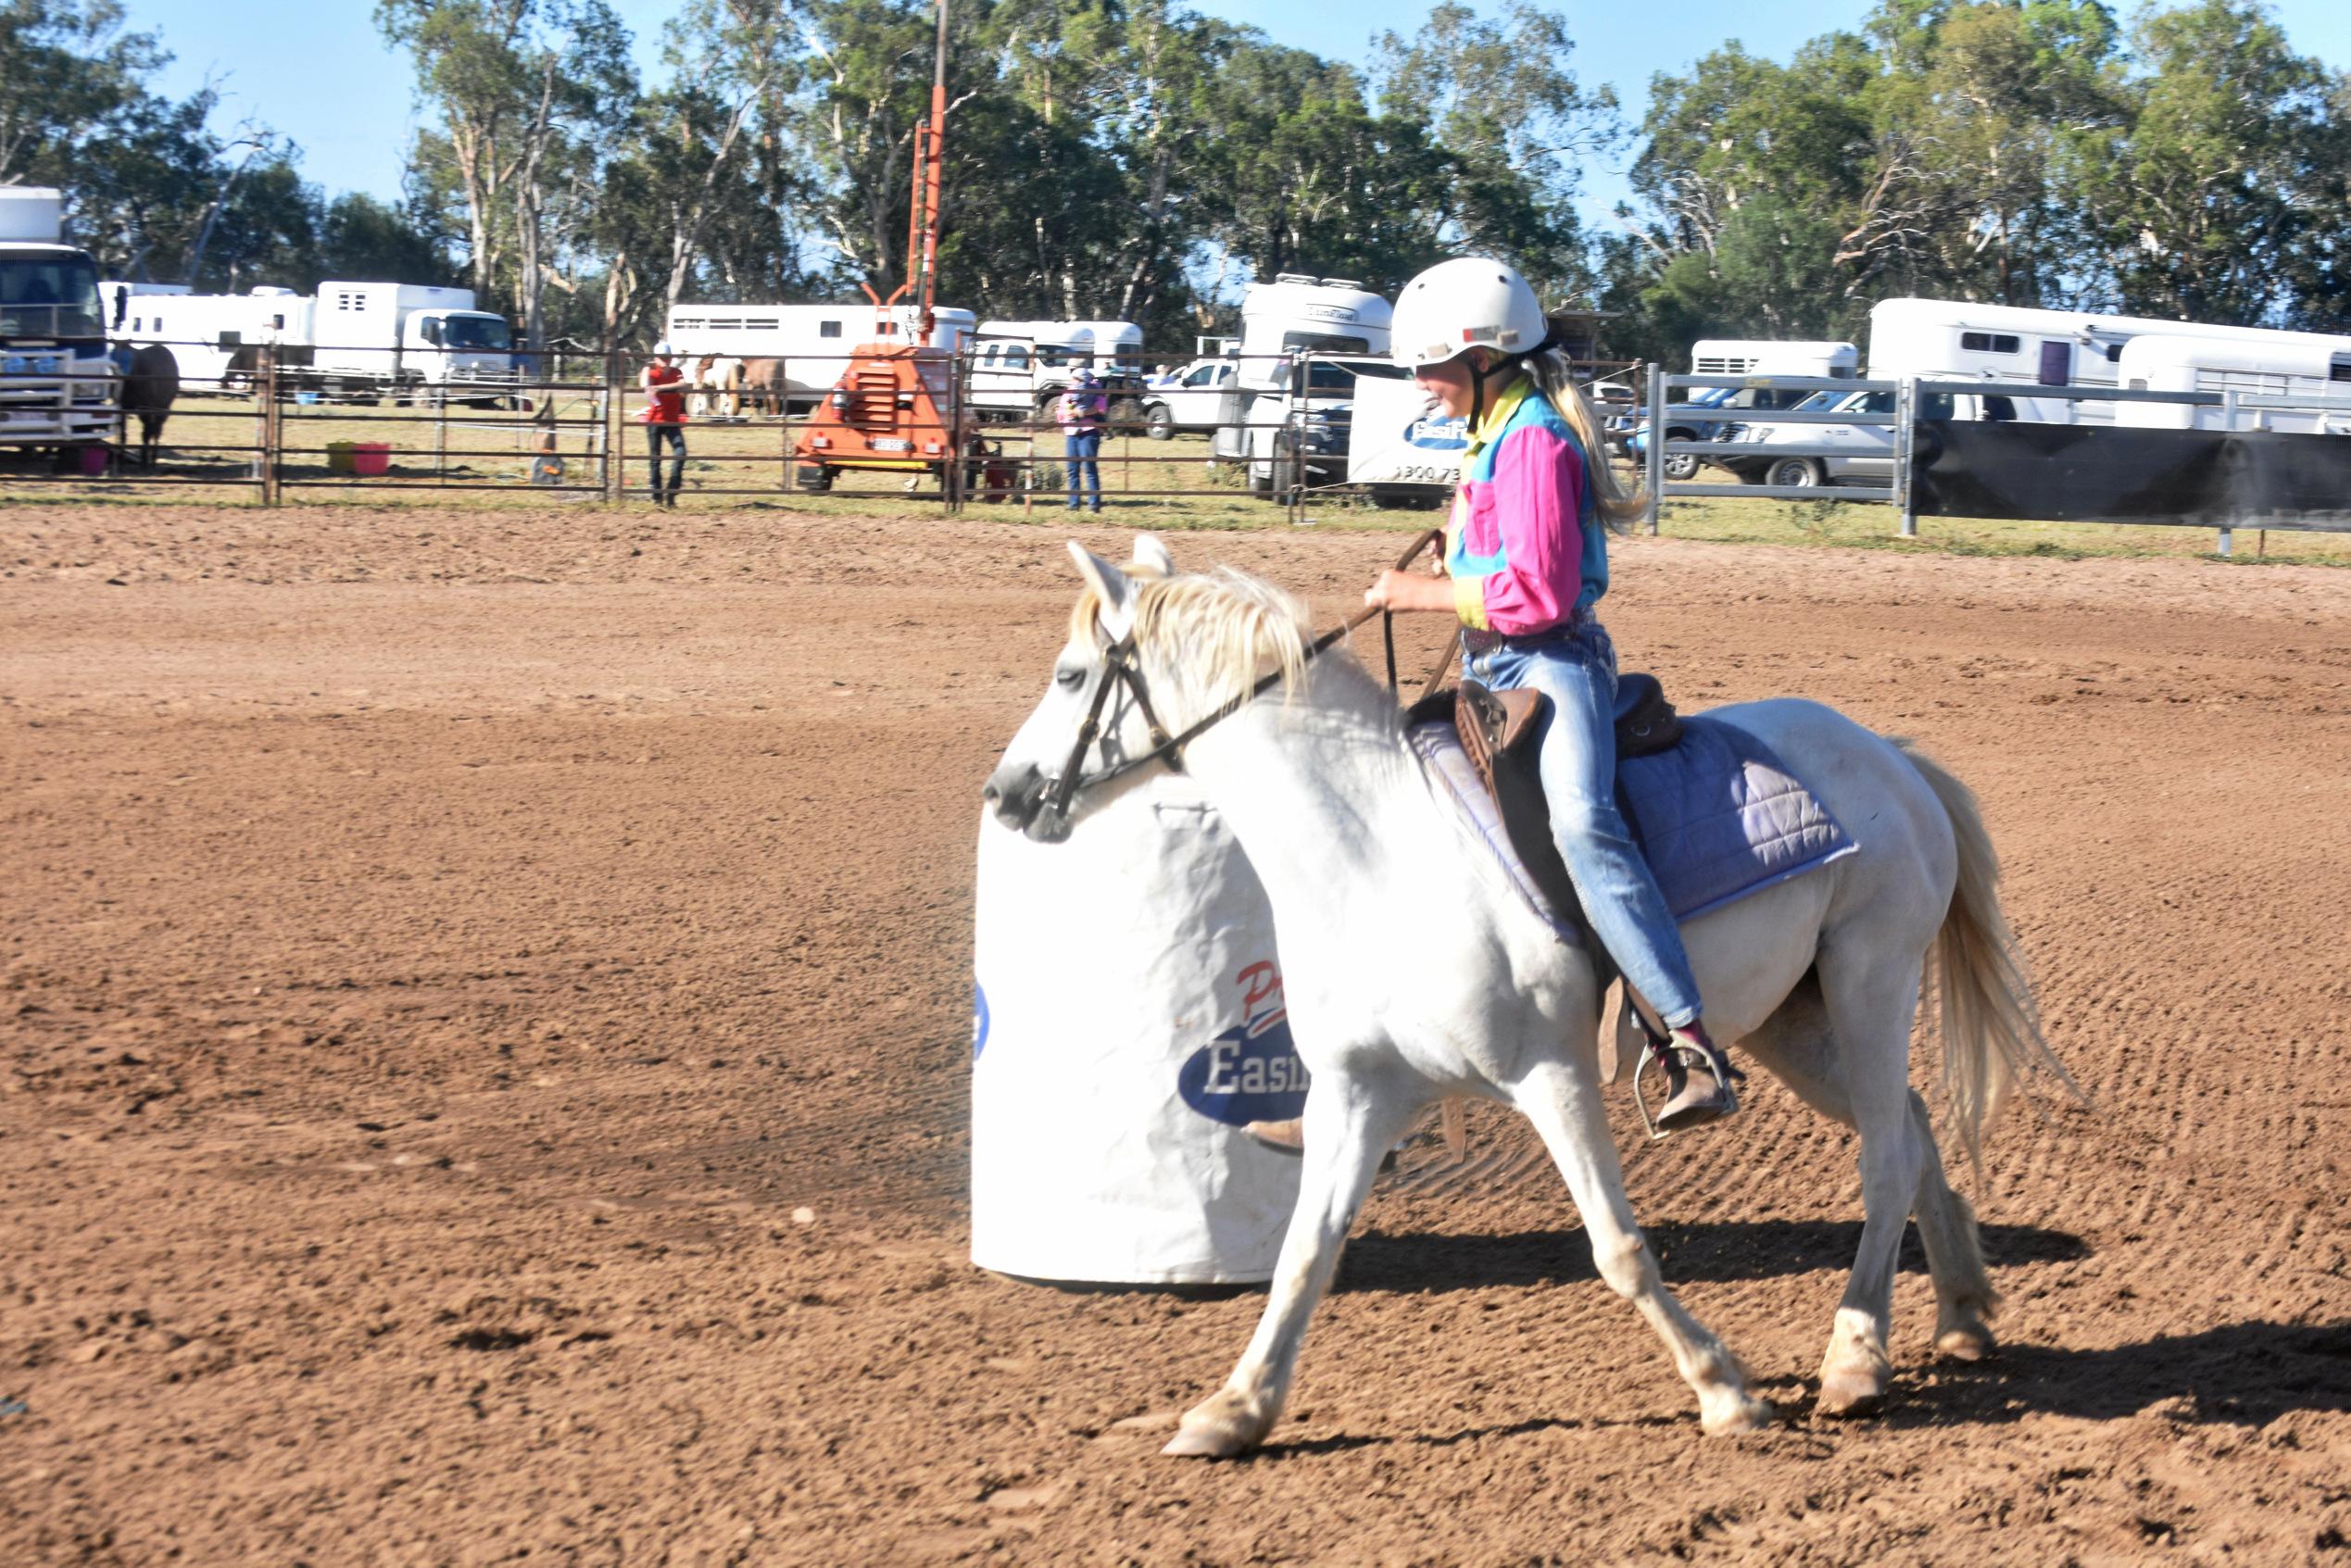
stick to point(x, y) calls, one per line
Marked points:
point(1072, 678)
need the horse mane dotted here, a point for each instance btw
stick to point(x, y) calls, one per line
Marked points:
point(1230, 627)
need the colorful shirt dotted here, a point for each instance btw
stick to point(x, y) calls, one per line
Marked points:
point(1524, 547)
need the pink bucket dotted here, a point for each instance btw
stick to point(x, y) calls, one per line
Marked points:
point(95, 460)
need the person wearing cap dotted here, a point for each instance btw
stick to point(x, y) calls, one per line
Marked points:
point(664, 386)
point(1526, 563)
point(1081, 411)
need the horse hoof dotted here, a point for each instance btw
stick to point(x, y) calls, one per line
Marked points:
point(1966, 1342)
point(1746, 1413)
point(1859, 1392)
point(1218, 1427)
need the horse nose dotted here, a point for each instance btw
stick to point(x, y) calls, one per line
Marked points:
point(1014, 792)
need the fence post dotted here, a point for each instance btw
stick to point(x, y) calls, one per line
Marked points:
point(272, 435)
point(1653, 457)
point(1905, 452)
point(615, 479)
point(957, 385)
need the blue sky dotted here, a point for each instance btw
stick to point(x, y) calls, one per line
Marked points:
point(318, 73)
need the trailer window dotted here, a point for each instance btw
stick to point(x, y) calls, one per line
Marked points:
point(1990, 343)
point(1326, 342)
point(2339, 368)
point(828, 329)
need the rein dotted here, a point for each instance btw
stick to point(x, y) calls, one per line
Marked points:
point(1120, 669)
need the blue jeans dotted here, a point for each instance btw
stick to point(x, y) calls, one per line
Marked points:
point(1577, 669)
point(1080, 448)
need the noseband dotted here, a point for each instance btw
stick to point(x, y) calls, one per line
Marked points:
point(1122, 666)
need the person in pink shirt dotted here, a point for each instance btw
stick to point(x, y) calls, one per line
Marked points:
point(1526, 563)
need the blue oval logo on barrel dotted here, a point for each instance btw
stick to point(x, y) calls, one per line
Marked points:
point(979, 1021)
point(1251, 1072)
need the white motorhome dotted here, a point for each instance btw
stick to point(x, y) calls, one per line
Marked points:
point(211, 336)
point(1767, 356)
point(1021, 366)
point(1268, 422)
point(1958, 341)
point(2316, 366)
point(810, 344)
point(58, 380)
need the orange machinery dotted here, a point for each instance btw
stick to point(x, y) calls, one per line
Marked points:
point(885, 413)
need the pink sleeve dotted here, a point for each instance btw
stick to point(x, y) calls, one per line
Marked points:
point(1539, 489)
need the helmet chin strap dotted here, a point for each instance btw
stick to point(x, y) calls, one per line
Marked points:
point(1477, 378)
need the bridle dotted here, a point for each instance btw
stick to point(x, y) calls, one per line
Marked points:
point(1122, 667)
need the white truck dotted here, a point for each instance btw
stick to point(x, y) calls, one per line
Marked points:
point(1288, 423)
point(1019, 368)
point(1193, 401)
point(59, 384)
point(359, 341)
point(796, 353)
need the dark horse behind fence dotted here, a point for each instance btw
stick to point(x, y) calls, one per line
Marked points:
point(150, 386)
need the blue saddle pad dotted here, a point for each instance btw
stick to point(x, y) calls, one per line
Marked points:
point(1718, 817)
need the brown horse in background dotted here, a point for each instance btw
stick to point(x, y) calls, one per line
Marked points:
point(149, 388)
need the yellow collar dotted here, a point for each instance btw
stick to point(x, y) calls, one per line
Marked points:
point(1498, 412)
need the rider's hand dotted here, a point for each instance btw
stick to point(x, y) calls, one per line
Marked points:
point(1409, 591)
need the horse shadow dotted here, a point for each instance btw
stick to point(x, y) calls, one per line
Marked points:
point(1420, 1262)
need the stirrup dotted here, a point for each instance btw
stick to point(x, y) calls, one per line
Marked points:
point(1662, 1054)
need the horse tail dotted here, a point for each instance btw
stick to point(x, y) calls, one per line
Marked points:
point(1990, 1031)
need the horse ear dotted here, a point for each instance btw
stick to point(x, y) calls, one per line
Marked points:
point(1115, 587)
point(1152, 550)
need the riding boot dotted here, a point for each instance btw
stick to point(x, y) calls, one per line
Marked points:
point(1698, 1080)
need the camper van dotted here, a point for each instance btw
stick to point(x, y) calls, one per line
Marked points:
point(1019, 368)
point(1268, 423)
point(813, 343)
point(2317, 368)
point(1953, 340)
point(57, 385)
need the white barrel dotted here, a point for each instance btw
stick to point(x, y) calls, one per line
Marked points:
point(1128, 1021)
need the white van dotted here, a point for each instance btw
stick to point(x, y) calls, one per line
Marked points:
point(2318, 367)
point(1019, 368)
point(1770, 357)
point(808, 347)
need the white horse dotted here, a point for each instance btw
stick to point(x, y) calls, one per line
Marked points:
point(718, 387)
point(1414, 972)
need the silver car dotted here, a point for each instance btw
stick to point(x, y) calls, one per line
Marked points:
point(1863, 454)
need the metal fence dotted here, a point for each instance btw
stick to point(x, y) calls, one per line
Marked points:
point(1914, 402)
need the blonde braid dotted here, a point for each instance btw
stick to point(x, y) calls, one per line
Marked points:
point(1557, 376)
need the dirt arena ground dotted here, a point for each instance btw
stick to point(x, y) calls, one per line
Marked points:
point(488, 1011)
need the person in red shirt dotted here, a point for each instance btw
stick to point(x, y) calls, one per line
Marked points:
point(664, 417)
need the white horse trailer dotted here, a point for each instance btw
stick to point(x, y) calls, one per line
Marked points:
point(210, 335)
point(2317, 368)
point(1771, 356)
point(1958, 341)
point(1262, 421)
point(812, 342)
point(1020, 367)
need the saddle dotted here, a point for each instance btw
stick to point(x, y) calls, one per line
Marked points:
point(1497, 731)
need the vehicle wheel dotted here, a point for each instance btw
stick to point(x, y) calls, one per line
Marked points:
point(1261, 485)
point(1801, 473)
point(1045, 401)
point(1159, 422)
point(1681, 467)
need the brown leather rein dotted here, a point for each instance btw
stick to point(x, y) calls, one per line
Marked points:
point(1120, 669)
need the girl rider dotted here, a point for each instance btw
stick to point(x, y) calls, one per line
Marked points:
point(1526, 562)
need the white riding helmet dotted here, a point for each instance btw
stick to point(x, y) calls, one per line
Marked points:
point(662, 350)
point(1468, 303)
